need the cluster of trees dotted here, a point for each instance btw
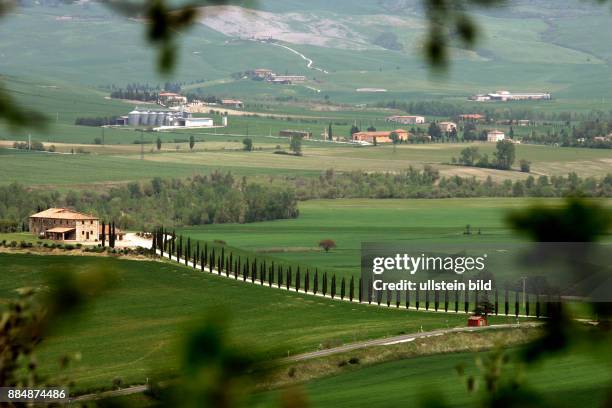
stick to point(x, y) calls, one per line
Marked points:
point(215, 198)
point(503, 158)
point(428, 183)
point(590, 133)
point(97, 121)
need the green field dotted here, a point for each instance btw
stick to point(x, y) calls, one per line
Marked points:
point(350, 222)
point(134, 330)
point(570, 381)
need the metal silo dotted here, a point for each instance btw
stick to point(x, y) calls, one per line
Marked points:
point(152, 118)
point(134, 118)
point(144, 118)
point(159, 119)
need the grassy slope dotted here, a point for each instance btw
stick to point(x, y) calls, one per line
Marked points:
point(132, 330)
point(576, 380)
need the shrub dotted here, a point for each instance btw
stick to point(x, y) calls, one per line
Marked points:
point(525, 166)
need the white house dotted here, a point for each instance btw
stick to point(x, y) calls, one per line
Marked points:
point(495, 136)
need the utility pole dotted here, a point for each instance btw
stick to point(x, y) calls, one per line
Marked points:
point(524, 278)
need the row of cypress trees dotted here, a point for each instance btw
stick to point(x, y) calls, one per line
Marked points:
point(274, 274)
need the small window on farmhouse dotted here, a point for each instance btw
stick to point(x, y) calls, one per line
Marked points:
point(82, 232)
point(91, 222)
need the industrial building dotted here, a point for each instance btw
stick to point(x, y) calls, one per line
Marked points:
point(505, 96)
point(407, 119)
point(299, 133)
point(165, 118)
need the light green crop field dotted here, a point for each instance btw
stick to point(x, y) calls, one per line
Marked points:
point(349, 222)
point(134, 329)
point(573, 380)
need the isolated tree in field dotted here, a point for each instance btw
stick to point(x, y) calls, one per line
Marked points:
point(247, 144)
point(159, 143)
point(295, 145)
point(330, 133)
point(395, 139)
point(327, 244)
point(525, 166)
point(505, 154)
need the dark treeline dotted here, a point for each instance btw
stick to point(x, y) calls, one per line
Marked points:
point(428, 183)
point(97, 121)
point(222, 198)
point(216, 198)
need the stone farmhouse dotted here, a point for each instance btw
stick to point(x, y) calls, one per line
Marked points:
point(63, 224)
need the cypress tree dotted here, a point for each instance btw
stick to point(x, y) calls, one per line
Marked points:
point(417, 300)
point(496, 301)
point(222, 257)
point(196, 254)
point(398, 298)
point(205, 257)
point(219, 265)
point(231, 263)
point(288, 278)
point(426, 299)
point(211, 262)
point(271, 275)
point(352, 289)
point(262, 272)
point(516, 304)
point(436, 300)
point(466, 301)
point(370, 292)
point(526, 304)
point(280, 276)
point(506, 303)
point(245, 270)
point(407, 299)
point(202, 261)
point(342, 289)
point(324, 288)
point(456, 301)
point(153, 242)
point(360, 289)
point(307, 281)
point(446, 300)
point(103, 234)
point(378, 297)
point(254, 270)
point(298, 279)
point(333, 286)
point(187, 250)
point(315, 285)
point(388, 293)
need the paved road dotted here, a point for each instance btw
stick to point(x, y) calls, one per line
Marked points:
point(404, 338)
point(386, 341)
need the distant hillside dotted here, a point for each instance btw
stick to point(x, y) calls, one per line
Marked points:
point(555, 46)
